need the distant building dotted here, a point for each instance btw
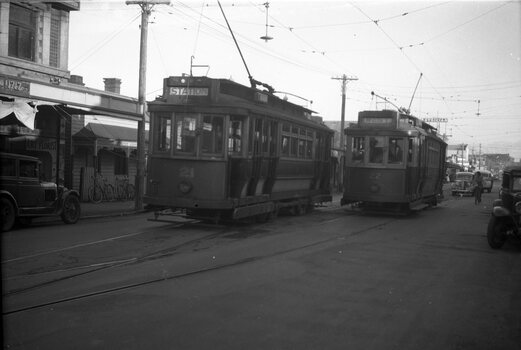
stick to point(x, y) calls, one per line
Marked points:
point(458, 154)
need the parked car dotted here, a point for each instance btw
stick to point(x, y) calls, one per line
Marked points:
point(506, 211)
point(24, 195)
point(488, 180)
point(462, 184)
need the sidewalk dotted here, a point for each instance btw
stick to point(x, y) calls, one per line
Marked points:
point(112, 208)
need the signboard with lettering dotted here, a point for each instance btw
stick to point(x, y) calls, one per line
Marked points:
point(376, 122)
point(188, 91)
point(14, 86)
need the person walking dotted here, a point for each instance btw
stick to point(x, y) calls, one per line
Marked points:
point(478, 189)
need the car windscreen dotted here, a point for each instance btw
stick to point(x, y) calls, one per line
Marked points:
point(464, 177)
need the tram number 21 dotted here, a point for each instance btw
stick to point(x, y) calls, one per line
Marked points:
point(186, 172)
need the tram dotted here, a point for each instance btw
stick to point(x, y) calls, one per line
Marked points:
point(220, 150)
point(395, 162)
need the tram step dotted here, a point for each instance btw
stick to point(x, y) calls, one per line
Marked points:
point(419, 206)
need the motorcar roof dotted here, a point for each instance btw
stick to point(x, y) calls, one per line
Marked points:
point(512, 169)
point(19, 156)
point(464, 173)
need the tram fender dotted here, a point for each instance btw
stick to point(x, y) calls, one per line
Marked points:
point(252, 210)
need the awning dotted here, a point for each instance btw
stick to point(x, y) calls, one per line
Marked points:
point(21, 109)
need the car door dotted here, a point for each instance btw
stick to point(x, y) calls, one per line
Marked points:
point(29, 191)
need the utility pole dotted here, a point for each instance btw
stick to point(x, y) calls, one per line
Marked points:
point(344, 80)
point(146, 9)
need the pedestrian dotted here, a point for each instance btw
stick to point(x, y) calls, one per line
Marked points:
point(478, 189)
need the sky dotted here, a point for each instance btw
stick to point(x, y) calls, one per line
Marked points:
point(458, 61)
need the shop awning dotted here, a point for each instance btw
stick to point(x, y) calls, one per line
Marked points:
point(21, 109)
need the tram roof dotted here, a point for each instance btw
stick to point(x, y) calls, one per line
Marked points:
point(209, 94)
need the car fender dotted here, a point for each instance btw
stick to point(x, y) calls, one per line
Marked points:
point(8, 194)
point(66, 193)
point(500, 211)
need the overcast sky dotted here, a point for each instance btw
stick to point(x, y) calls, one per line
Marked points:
point(466, 51)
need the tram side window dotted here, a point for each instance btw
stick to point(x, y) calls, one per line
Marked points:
point(163, 134)
point(395, 150)
point(358, 149)
point(212, 134)
point(376, 149)
point(294, 142)
point(185, 134)
point(235, 135)
point(410, 150)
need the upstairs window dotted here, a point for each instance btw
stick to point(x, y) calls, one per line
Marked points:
point(22, 32)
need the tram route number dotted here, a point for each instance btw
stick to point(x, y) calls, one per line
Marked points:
point(188, 91)
point(186, 172)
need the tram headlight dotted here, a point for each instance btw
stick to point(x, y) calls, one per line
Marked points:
point(185, 187)
point(374, 188)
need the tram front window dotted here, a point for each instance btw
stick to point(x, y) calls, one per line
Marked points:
point(376, 149)
point(358, 149)
point(395, 150)
point(235, 132)
point(185, 134)
point(163, 131)
point(212, 134)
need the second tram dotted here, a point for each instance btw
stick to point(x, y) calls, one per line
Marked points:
point(223, 151)
point(394, 162)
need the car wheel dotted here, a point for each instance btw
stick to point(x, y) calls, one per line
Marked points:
point(496, 233)
point(71, 210)
point(7, 214)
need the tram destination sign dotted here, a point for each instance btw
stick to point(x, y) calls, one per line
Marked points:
point(188, 91)
point(377, 122)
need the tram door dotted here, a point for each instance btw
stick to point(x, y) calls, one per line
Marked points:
point(263, 148)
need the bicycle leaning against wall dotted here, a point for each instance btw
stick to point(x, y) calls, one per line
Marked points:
point(124, 189)
point(100, 190)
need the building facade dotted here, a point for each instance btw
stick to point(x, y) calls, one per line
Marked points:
point(42, 106)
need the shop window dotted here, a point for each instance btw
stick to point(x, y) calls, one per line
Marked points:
point(212, 134)
point(55, 38)
point(22, 32)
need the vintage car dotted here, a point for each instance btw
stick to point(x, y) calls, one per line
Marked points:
point(462, 184)
point(505, 220)
point(23, 195)
point(488, 180)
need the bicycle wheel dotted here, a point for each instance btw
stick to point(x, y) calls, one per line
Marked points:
point(130, 191)
point(109, 192)
point(95, 194)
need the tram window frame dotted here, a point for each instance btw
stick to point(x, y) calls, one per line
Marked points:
point(358, 149)
point(396, 156)
point(212, 134)
point(376, 154)
point(410, 150)
point(163, 133)
point(189, 139)
point(235, 132)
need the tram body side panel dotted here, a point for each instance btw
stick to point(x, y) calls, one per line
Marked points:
point(279, 178)
point(187, 183)
point(364, 184)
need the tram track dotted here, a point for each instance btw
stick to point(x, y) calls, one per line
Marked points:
point(98, 266)
point(169, 252)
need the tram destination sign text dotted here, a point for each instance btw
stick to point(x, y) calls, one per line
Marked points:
point(188, 91)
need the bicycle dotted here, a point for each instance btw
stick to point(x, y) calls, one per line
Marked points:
point(124, 189)
point(100, 190)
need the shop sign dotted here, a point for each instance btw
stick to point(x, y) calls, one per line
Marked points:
point(40, 145)
point(14, 86)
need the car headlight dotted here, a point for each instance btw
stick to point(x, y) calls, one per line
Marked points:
point(184, 187)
